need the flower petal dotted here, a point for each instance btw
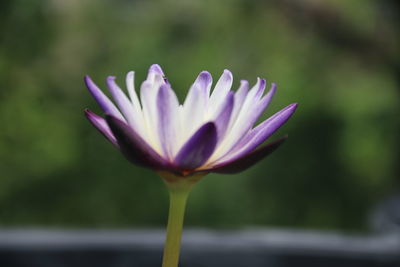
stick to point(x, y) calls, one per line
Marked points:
point(262, 132)
point(154, 70)
point(195, 105)
point(134, 148)
point(220, 91)
point(204, 81)
point(223, 118)
point(104, 102)
point(251, 110)
point(198, 148)
point(248, 160)
point(100, 124)
point(167, 104)
point(240, 97)
point(260, 88)
point(268, 97)
point(130, 84)
point(134, 119)
point(148, 96)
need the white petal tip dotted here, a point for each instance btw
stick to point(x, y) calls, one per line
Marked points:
point(228, 72)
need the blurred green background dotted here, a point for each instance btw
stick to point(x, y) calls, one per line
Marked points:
point(338, 59)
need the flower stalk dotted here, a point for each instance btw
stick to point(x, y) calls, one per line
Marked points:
point(179, 189)
point(172, 246)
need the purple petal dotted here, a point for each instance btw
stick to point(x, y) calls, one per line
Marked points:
point(198, 148)
point(104, 102)
point(167, 105)
point(123, 103)
point(101, 125)
point(134, 147)
point(262, 132)
point(223, 118)
point(268, 97)
point(251, 110)
point(257, 109)
point(248, 160)
point(261, 83)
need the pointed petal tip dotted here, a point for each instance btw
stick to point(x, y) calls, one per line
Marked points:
point(204, 72)
point(274, 86)
point(203, 81)
point(90, 85)
point(156, 68)
point(111, 83)
point(89, 114)
point(111, 78)
point(288, 109)
point(293, 106)
point(205, 76)
point(87, 111)
point(263, 82)
point(88, 81)
point(228, 73)
point(268, 97)
point(101, 125)
point(260, 87)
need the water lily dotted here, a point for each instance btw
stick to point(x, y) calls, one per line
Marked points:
point(211, 131)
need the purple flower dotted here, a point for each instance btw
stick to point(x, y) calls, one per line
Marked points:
point(209, 132)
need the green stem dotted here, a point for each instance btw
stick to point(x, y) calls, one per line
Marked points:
point(178, 197)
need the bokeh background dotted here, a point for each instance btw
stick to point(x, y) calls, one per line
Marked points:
point(338, 59)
